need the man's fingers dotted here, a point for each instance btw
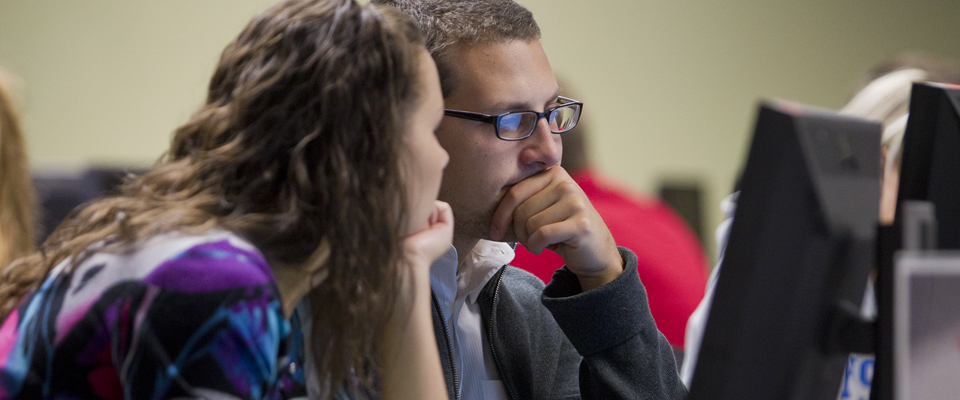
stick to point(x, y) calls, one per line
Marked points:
point(535, 211)
point(556, 212)
point(554, 233)
point(514, 197)
point(535, 205)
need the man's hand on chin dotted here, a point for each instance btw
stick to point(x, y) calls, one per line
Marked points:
point(550, 211)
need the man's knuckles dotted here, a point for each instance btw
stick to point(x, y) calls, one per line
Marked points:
point(531, 225)
point(568, 188)
point(583, 224)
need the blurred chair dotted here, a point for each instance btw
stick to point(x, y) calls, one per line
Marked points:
point(59, 194)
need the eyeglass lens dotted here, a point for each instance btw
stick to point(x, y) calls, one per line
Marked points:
point(563, 119)
point(522, 124)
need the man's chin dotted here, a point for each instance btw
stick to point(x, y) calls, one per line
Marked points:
point(480, 230)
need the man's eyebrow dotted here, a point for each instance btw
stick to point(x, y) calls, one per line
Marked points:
point(556, 96)
point(501, 108)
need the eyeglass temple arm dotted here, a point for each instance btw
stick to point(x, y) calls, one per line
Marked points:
point(471, 116)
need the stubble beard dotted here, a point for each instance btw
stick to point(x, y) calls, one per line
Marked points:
point(477, 224)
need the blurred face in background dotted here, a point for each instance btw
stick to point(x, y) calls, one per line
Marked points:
point(888, 193)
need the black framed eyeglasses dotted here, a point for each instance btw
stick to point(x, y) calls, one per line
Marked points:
point(519, 125)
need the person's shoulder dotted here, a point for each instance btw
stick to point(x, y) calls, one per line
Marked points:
point(175, 262)
point(521, 281)
point(208, 262)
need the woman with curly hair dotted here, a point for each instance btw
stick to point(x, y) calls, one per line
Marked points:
point(311, 171)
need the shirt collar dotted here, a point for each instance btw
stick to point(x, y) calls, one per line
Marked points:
point(480, 265)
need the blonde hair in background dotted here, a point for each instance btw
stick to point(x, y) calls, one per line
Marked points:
point(887, 100)
point(885, 97)
point(884, 94)
point(16, 190)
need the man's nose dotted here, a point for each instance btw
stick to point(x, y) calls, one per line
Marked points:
point(543, 147)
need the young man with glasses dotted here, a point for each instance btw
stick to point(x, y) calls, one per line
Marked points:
point(501, 334)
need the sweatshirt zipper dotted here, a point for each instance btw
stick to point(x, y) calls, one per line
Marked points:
point(446, 336)
point(493, 350)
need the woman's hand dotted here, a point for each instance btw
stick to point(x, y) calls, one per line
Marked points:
point(407, 350)
point(423, 248)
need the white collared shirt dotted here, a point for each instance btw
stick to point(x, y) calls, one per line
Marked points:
point(457, 288)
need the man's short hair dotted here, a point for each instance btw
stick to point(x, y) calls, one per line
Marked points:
point(447, 23)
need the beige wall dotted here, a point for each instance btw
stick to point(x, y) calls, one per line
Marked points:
point(106, 81)
point(670, 86)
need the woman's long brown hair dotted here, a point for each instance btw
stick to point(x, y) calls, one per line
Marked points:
point(16, 190)
point(296, 149)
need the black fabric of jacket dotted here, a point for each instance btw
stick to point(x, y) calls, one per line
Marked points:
point(558, 342)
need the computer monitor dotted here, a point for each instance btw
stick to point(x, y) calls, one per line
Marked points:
point(800, 248)
point(929, 171)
